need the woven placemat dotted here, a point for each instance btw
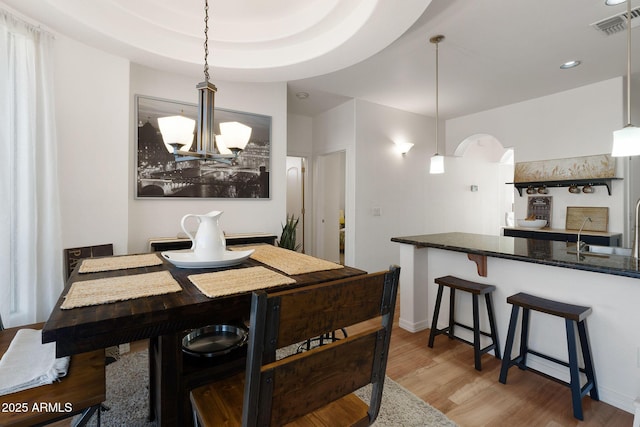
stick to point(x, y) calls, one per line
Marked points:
point(230, 282)
point(94, 265)
point(112, 289)
point(287, 261)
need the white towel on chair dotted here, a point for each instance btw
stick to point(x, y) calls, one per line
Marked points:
point(29, 363)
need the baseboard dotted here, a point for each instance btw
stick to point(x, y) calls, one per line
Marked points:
point(413, 327)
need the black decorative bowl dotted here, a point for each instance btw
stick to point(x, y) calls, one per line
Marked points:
point(214, 340)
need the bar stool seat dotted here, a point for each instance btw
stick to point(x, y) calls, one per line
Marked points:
point(475, 289)
point(573, 315)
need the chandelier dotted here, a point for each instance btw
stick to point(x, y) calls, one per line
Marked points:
point(177, 131)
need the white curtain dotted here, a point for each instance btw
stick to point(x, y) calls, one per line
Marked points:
point(31, 273)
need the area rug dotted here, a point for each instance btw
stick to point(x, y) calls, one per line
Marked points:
point(128, 396)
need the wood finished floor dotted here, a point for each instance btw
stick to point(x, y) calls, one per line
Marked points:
point(445, 378)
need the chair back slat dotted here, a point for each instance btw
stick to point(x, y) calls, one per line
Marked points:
point(330, 372)
point(318, 309)
point(277, 392)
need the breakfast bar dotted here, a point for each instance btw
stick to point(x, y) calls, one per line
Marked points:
point(608, 283)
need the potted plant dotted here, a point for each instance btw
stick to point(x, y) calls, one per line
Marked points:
point(288, 236)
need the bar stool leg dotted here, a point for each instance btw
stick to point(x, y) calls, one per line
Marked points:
point(588, 359)
point(576, 396)
point(452, 311)
point(436, 313)
point(524, 340)
point(506, 360)
point(492, 325)
point(476, 333)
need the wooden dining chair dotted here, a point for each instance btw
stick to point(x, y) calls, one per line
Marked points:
point(81, 391)
point(313, 387)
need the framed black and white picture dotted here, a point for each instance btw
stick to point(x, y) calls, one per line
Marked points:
point(158, 174)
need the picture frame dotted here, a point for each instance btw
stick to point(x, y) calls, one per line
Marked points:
point(159, 176)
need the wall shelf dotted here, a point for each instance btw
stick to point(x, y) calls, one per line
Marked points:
point(594, 182)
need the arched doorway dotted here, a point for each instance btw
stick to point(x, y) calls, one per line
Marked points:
point(492, 166)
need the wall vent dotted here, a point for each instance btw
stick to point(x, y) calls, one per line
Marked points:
point(618, 22)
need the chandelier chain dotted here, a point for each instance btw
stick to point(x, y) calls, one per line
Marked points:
point(206, 40)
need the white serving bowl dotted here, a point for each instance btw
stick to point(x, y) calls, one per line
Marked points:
point(532, 223)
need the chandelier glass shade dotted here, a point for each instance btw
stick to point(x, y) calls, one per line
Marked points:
point(235, 135)
point(177, 130)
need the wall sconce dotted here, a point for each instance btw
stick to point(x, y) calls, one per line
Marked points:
point(403, 147)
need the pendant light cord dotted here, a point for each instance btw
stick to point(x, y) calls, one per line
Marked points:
point(628, 62)
point(437, 98)
point(436, 40)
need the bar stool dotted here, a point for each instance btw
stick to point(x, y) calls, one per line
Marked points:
point(573, 314)
point(475, 289)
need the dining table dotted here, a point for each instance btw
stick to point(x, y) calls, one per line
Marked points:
point(165, 319)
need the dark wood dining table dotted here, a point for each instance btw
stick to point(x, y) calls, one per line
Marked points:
point(164, 320)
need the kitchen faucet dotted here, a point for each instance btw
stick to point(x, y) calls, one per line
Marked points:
point(579, 244)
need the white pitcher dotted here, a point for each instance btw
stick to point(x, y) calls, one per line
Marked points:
point(209, 242)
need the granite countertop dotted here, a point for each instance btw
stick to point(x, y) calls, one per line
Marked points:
point(547, 252)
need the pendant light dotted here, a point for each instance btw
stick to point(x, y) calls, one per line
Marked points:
point(437, 161)
point(177, 131)
point(626, 141)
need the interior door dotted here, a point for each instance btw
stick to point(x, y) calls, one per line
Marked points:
point(330, 201)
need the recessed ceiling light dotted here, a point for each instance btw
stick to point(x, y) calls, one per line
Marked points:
point(570, 64)
point(302, 95)
point(613, 2)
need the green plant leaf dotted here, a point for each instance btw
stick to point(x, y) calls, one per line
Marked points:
point(288, 236)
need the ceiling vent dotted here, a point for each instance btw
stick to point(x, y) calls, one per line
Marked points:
point(618, 22)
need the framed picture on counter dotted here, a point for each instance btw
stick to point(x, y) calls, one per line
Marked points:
point(540, 207)
point(159, 176)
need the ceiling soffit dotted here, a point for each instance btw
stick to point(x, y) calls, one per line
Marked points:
point(252, 40)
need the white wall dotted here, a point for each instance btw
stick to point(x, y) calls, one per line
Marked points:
point(92, 120)
point(574, 123)
point(377, 176)
point(454, 207)
point(161, 218)
point(299, 135)
point(386, 180)
point(334, 131)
